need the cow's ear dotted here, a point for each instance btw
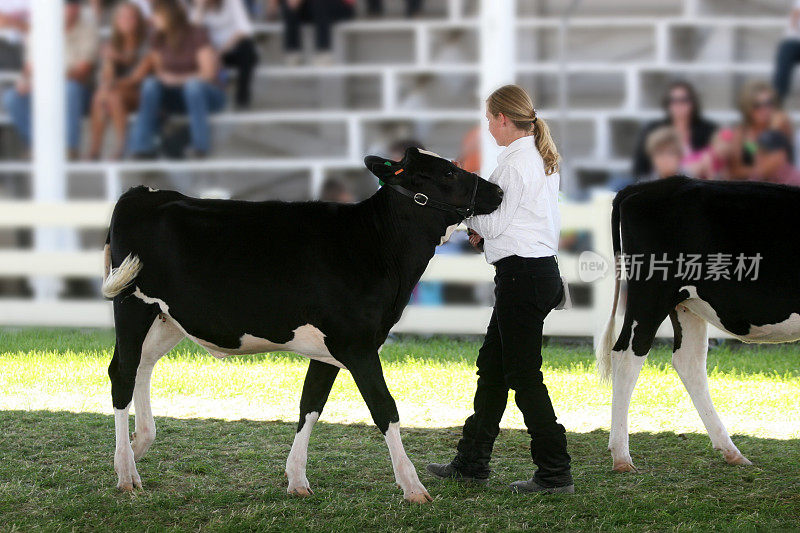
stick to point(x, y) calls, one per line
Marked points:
point(385, 170)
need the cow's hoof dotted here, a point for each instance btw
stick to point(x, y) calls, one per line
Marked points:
point(624, 467)
point(302, 492)
point(128, 483)
point(127, 476)
point(736, 458)
point(418, 497)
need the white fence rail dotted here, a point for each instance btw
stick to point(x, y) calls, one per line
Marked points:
point(462, 319)
point(593, 216)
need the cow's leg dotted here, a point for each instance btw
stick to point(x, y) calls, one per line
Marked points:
point(689, 360)
point(627, 359)
point(625, 368)
point(368, 376)
point(161, 338)
point(317, 386)
point(132, 320)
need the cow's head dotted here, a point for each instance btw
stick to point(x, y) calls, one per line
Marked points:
point(435, 182)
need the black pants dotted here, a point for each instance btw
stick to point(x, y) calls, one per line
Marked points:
point(413, 7)
point(244, 58)
point(527, 289)
point(10, 56)
point(322, 13)
point(787, 57)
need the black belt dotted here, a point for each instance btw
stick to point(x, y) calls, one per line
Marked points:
point(515, 263)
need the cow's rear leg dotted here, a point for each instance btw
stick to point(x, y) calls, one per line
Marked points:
point(627, 359)
point(625, 368)
point(368, 376)
point(689, 360)
point(317, 386)
point(162, 336)
point(132, 320)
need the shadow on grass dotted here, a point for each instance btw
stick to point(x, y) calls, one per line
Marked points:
point(56, 473)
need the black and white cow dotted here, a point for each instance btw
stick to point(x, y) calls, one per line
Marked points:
point(324, 280)
point(748, 284)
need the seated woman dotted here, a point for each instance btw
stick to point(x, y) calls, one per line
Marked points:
point(232, 35)
point(124, 66)
point(186, 80)
point(760, 112)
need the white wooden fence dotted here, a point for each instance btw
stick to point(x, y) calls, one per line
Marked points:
point(593, 216)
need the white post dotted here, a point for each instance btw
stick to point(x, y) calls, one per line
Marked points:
point(49, 122)
point(498, 39)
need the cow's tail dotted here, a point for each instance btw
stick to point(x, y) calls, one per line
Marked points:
point(606, 342)
point(116, 280)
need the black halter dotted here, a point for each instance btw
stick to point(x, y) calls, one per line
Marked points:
point(423, 200)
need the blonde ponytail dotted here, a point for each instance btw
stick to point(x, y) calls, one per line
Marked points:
point(515, 103)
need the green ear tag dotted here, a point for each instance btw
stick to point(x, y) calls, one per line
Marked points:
point(388, 164)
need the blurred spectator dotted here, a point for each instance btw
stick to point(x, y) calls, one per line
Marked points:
point(788, 55)
point(323, 14)
point(231, 34)
point(397, 149)
point(413, 8)
point(126, 63)
point(146, 7)
point(683, 112)
point(80, 51)
point(665, 149)
point(759, 111)
point(774, 159)
point(186, 80)
point(470, 157)
point(14, 15)
point(715, 163)
point(334, 190)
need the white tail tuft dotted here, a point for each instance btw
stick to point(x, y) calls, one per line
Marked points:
point(118, 279)
point(606, 343)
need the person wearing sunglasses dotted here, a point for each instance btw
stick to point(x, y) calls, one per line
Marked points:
point(683, 113)
point(760, 112)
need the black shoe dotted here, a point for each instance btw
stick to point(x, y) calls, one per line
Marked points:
point(531, 486)
point(449, 471)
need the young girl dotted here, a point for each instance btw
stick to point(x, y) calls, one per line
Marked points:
point(521, 240)
point(125, 65)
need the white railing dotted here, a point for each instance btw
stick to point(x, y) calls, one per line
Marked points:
point(593, 217)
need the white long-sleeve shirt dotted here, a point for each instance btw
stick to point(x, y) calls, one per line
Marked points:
point(223, 24)
point(527, 223)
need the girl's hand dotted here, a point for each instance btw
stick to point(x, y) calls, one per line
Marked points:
point(475, 240)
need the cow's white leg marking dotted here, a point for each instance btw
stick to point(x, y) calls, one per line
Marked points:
point(625, 368)
point(690, 363)
point(298, 457)
point(404, 472)
point(124, 464)
point(162, 336)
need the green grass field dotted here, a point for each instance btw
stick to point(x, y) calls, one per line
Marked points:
point(225, 428)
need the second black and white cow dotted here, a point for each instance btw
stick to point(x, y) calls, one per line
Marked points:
point(699, 252)
point(327, 281)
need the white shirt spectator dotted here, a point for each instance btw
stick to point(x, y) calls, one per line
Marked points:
point(15, 9)
point(223, 24)
point(793, 29)
point(145, 6)
point(527, 223)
